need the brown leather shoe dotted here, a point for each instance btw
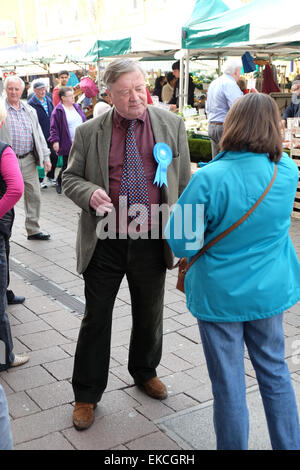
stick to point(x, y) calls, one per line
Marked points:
point(155, 388)
point(83, 415)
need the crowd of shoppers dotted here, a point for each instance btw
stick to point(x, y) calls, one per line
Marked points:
point(238, 289)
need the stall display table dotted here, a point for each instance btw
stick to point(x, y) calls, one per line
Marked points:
point(200, 147)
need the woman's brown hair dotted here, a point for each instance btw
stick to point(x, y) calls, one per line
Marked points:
point(253, 124)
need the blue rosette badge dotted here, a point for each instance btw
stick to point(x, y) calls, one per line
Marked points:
point(163, 155)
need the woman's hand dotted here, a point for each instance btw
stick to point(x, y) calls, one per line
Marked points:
point(56, 146)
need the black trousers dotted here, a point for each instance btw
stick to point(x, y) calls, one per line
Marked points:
point(143, 264)
point(53, 159)
point(64, 166)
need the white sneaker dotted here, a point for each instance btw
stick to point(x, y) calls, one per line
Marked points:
point(52, 181)
point(43, 184)
point(19, 360)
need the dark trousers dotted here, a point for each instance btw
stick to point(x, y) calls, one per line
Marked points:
point(143, 264)
point(215, 132)
point(6, 343)
point(64, 166)
point(53, 159)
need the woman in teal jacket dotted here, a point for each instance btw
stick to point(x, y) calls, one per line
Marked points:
point(239, 288)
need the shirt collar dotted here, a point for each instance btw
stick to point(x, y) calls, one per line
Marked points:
point(120, 121)
point(41, 101)
point(10, 106)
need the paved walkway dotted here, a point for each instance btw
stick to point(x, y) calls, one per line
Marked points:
point(46, 326)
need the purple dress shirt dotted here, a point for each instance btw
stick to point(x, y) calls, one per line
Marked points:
point(145, 143)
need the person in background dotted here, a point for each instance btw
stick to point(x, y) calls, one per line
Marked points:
point(168, 88)
point(240, 287)
point(159, 83)
point(293, 110)
point(149, 98)
point(65, 118)
point(243, 85)
point(23, 132)
point(103, 104)
point(44, 107)
point(62, 79)
point(24, 95)
point(11, 190)
point(191, 89)
point(221, 94)
point(112, 161)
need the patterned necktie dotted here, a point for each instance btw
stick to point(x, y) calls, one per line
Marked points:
point(133, 182)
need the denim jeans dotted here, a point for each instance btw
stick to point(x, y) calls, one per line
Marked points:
point(6, 343)
point(223, 345)
point(5, 432)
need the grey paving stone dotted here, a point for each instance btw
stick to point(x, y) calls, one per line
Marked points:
point(193, 429)
point(114, 383)
point(44, 339)
point(154, 441)
point(41, 424)
point(22, 313)
point(51, 395)
point(174, 363)
point(61, 369)
point(53, 441)
point(42, 304)
point(23, 379)
point(20, 404)
point(154, 410)
point(29, 327)
point(115, 401)
point(120, 354)
point(179, 402)
point(170, 324)
point(121, 372)
point(61, 320)
point(45, 355)
point(174, 342)
point(110, 431)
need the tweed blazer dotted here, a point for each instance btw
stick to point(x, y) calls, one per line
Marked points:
point(88, 170)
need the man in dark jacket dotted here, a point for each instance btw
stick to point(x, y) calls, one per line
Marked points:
point(44, 107)
point(293, 110)
point(175, 97)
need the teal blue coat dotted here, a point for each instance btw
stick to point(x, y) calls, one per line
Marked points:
point(254, 272)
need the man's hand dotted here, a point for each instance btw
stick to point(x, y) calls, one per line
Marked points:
point(47, 166)
point(101, 202)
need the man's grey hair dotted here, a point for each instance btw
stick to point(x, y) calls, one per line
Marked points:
point(14, 78)
point(117, 68)
point(231, 65)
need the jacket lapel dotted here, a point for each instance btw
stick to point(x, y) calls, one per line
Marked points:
point(159, 127)
point(161, 134)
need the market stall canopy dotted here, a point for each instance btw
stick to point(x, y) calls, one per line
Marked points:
point(159, 38)
point(264, 26)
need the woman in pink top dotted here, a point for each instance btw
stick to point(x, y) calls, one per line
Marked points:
point(11, 189)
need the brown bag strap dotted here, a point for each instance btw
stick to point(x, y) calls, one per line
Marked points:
point(234, 226)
